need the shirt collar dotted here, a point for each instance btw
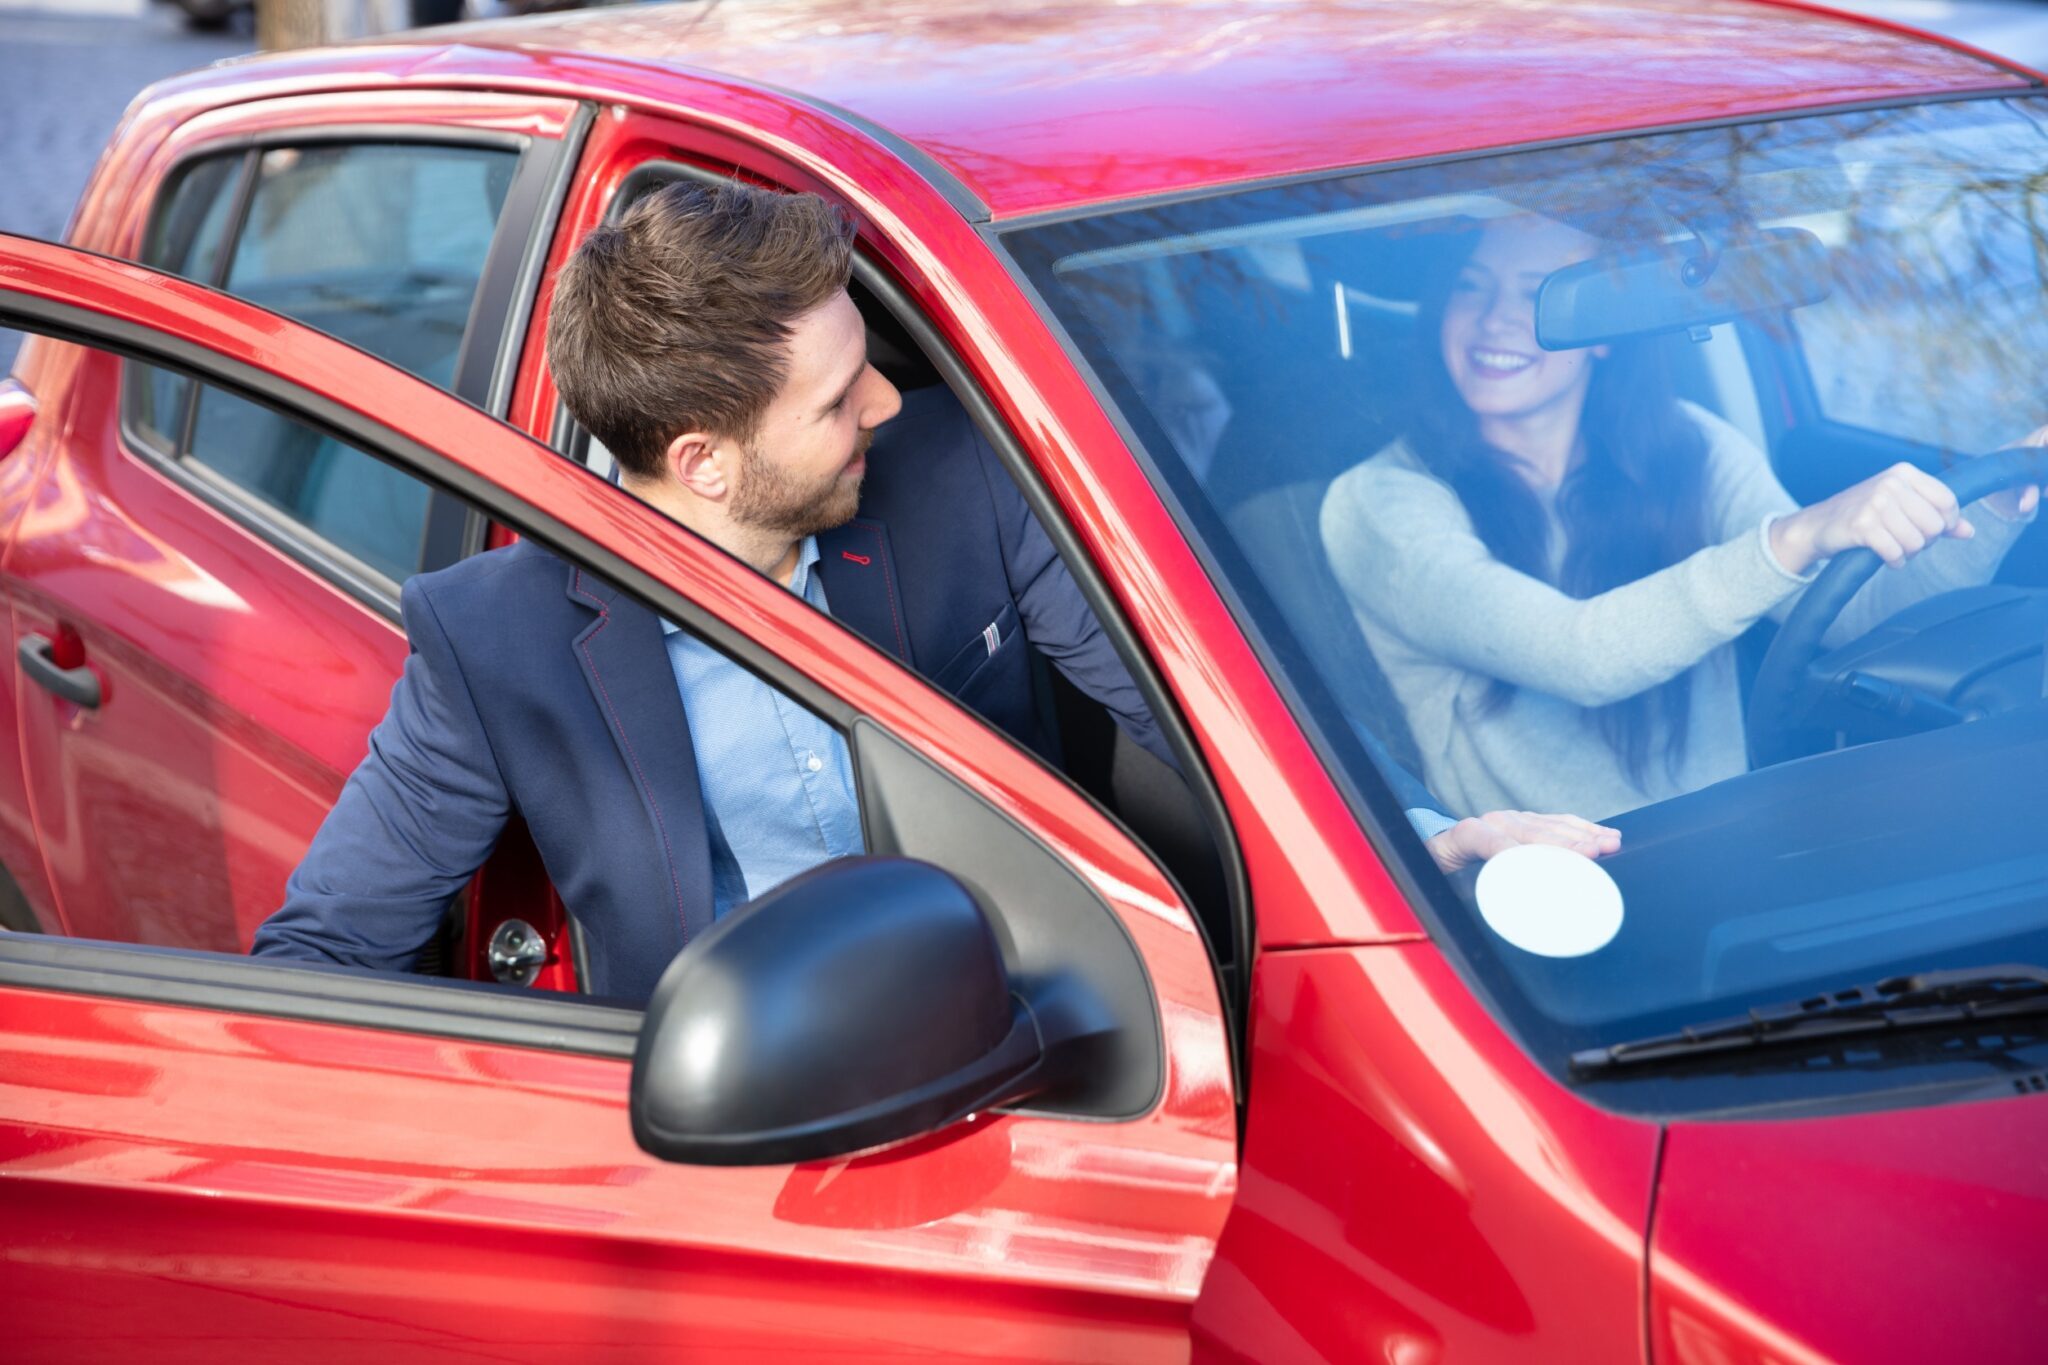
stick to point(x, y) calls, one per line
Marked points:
point(799, 581)
point(806, 556)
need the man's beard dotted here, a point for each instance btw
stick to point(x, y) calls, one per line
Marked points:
point(769, 498)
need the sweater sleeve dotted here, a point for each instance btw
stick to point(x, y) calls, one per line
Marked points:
point(1409, 560)
point(1744, 491)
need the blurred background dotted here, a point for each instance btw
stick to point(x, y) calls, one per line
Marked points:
point(69, 67)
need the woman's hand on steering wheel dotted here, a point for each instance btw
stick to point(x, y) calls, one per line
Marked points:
point(1897, 514)
point(1788, 687)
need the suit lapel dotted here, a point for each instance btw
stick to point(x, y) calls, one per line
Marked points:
point(859, 574)
point(627, 666)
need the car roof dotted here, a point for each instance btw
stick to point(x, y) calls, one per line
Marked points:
point(1050, 106)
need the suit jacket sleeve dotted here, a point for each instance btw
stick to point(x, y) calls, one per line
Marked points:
point(415, 820)
point(1057, 619)
point(1058, 622)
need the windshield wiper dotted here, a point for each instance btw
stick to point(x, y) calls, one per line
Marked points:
point(1924, 1000)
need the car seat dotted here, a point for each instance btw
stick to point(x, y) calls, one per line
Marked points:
point(1271, 528)
point(1310, 397)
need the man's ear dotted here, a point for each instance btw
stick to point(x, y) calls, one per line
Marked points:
point(701, 463)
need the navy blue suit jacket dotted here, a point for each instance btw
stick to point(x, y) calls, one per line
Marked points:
point(534, 687)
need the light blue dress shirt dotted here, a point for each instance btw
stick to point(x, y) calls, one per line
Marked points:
point(777, 780)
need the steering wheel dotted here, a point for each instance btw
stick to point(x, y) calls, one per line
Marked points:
point(1788, 686)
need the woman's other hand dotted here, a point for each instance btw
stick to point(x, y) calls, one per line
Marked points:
point(2018, 504)
point(1481, 837)
point(1897, 513)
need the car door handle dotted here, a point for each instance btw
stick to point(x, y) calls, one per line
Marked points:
point(80, 685)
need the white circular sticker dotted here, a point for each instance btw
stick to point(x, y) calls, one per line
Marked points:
point(1549, 901)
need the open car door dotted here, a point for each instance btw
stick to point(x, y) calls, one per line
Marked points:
point(207, 1157)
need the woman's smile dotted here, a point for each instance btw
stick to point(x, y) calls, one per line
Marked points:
point(1489, 363)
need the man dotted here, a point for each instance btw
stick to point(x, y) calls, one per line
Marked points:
point(708, 341)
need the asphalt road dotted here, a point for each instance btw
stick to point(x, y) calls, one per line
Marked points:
point(65, 79)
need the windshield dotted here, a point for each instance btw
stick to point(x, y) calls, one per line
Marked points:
point(1517, 468)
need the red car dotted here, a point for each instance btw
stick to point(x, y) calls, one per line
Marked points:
point(1769, 1084)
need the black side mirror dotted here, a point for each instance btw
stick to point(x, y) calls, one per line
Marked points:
point(859, 1004)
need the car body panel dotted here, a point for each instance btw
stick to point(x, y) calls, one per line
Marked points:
point(119, 1097)
point(1023, 109)
point(430, 1200)
point(2016, 30)
point(1903, 1236)
point(116, 224)
point(28, 448)
point(1414, 1188)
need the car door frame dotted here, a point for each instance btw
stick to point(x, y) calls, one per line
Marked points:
point(1182, 1173)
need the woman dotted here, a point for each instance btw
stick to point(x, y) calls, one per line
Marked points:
point(1553, 564)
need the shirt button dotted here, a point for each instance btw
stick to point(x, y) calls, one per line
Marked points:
point(813, 762)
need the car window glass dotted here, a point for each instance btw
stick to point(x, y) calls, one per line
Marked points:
point(382, 245)
point(200, 860)
point(598, 458)
point(356, 504)
point(185, 239)
point(1936, 222)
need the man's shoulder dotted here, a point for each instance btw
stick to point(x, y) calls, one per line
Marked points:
point(931, 433)
point(930, 460)
point(513, 582)
point(931, 409)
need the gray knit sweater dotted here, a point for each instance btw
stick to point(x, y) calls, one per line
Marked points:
point(1445, 618)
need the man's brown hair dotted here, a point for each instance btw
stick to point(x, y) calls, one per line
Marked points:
point(677, 318)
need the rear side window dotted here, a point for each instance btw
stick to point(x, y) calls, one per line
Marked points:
point(185, 239)
point(380, 244)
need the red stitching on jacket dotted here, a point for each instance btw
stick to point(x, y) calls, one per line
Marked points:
point(889, 583)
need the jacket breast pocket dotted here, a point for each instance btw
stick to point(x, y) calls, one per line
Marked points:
point(958, 673)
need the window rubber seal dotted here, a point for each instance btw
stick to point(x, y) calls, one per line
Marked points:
point(322, 993)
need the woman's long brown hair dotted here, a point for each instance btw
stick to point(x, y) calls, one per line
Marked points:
point(1631, 506)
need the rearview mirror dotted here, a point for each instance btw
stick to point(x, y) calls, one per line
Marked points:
point(1679, 288)
point(859, 1004)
